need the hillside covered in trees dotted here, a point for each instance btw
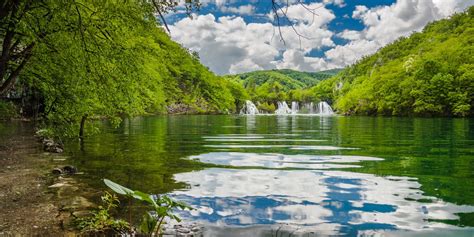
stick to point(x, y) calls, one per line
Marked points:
point(267, 87)
point(430, 73)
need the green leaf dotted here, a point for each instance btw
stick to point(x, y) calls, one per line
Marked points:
point(118, 188)
point(144, 197)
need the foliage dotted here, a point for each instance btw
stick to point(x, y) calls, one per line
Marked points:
point(108, 59)
point(269, 87)
point(238, 92)
point(427, 74)
point(266, 107)
point(162, 207)
point(101, 220)
point(7, 110)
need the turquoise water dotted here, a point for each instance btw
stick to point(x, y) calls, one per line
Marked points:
point(255, 175)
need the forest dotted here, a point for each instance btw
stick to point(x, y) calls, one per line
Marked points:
point(67, 63)
point(429, 73)
point(268, 87)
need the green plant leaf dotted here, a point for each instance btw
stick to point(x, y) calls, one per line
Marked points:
point(118, 188)
point(144, 197)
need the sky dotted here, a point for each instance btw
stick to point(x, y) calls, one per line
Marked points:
point(240, 36)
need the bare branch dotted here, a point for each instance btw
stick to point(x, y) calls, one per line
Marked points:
point(280, 13)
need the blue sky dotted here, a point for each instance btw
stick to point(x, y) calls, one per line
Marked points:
point(238, 36)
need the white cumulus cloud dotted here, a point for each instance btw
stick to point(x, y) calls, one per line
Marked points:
point(229, 44)
point(241, 10)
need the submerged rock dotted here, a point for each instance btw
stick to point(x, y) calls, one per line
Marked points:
point(69, 169)
point(57, 171)
point(50, 145)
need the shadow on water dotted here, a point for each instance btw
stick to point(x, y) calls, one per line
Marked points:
point(302, 174)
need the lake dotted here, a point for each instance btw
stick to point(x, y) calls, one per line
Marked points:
point(296, 175)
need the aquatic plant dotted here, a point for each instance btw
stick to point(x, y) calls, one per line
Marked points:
point(162, 207)
point(101, 221)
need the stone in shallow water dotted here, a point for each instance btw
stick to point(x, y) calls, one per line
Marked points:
point(60, 185)
point(57, 171)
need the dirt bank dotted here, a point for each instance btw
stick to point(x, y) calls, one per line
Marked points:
point(29, 206)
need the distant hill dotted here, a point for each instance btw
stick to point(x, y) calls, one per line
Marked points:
point(430, 73)
point(289, 79)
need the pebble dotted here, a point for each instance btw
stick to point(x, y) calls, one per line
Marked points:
point(60, 185)
point(57, 171)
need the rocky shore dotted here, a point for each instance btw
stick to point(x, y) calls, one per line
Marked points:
point(34, 200)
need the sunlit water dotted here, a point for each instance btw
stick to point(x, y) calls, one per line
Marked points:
point(298, 175)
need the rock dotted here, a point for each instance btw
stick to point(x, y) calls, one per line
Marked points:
point(57, 171)
point(82, 213)
point(60, 185)
point(58, 150)
point(69, 169)
point(50, 146)
point(77, 203)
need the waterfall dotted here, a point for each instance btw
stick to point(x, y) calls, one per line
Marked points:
point(323, 108)
point(283, 108)
point(308, 108)
point(249, 108)
point(295, 108)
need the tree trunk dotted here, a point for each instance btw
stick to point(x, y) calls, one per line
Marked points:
point(81, 128)
point(11, 79)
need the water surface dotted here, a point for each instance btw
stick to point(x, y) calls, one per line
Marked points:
point(255, 175)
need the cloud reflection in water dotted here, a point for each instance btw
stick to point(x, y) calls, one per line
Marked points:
point(324, 200)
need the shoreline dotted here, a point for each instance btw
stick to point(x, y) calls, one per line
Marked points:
point(33, 200)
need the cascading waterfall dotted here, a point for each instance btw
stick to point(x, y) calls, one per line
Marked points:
point(308, 108)
point(249, 108)
point(295, 108)
point(282, 108)
point(321, 108)
point(324, 108)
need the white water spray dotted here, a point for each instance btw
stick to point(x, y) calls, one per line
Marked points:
point(282, 108)
point(249, 108)
point(295, 108)
point(323, 108)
